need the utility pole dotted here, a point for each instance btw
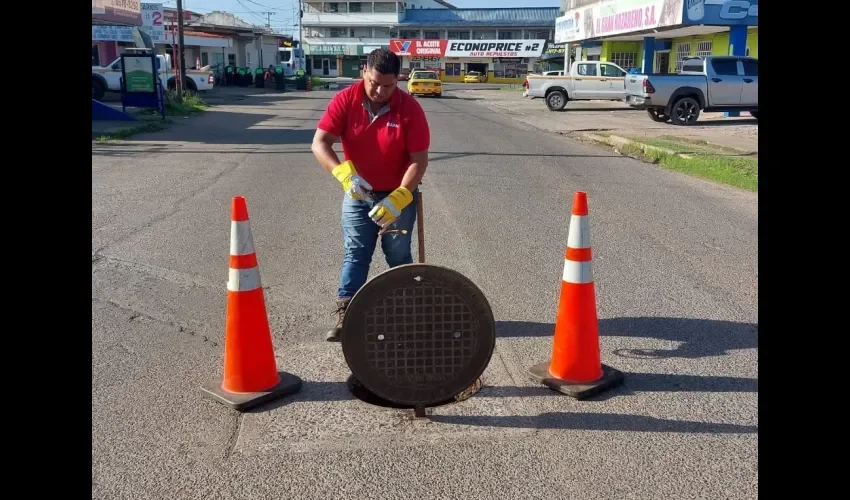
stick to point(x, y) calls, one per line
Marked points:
point(269, 17)
point(180, 49)
point(301, 59)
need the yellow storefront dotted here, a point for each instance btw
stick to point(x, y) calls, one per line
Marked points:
point(670, 53)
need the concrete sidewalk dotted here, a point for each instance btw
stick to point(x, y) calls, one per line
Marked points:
point(615, 118)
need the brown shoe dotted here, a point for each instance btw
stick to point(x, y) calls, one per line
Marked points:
point(334, 333)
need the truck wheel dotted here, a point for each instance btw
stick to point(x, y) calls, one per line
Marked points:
point(658, 115)
point(685, 111)
point(97, 90)
point(556, 100)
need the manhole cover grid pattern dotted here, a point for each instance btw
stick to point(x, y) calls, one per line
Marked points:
point(421, 330)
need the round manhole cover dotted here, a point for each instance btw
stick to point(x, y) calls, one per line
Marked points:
point(418, 334)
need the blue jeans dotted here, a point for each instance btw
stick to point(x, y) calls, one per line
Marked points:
point(360, 236)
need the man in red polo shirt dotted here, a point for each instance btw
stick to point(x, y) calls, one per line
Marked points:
point(385, 140)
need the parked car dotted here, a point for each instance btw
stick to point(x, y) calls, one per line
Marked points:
point(586, 80)
point(108, 78)
point(474, 77)
point(710, 83)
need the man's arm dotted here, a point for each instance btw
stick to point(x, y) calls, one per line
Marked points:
point(413, 175)
point(323, 143)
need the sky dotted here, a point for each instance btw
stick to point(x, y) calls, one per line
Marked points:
point(284, 19)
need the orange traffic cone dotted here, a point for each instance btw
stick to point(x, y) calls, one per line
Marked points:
point(250, 372)
point(576, 368)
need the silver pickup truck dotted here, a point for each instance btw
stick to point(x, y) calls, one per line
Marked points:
point(712, 83)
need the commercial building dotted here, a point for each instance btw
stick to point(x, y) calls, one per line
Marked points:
point(504, 44)
point(655, 36)
point(216, 39)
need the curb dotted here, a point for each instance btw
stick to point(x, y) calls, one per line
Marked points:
point(616, 140)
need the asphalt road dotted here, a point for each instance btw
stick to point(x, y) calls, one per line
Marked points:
point(676, 271)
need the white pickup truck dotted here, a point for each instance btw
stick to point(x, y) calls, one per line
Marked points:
point(586, 80)
point(108, 78)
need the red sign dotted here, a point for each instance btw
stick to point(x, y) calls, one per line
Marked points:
point(434, 48)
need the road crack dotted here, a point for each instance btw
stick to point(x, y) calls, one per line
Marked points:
point(177, 205)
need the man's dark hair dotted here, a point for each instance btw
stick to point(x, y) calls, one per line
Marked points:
point(384, 61)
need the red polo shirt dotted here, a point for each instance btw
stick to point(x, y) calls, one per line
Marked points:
point(380, 150)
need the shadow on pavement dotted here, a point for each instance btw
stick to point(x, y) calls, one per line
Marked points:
point(447, 155)
point(597, 422)
point(234, 128)
point(697, 337)
point(725, 122)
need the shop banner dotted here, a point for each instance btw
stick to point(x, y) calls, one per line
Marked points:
point(618, 17)
point(435, 48)
point(495, 48)
point(721, 12)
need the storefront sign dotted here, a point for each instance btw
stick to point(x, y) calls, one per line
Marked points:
point(327, 50)
point(495, 48)
point(721, 12)
point(124, 12)
point(426, 59)
point(433, 48)
point(152, 24)
point(365, 50)
point(618, 17)
point(554, 49)
point(507, 60)
point(139, 74)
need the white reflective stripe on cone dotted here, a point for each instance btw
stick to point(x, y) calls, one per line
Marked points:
point(577, 272)
point(244, 280)
point(579, 236)
point(241, 240)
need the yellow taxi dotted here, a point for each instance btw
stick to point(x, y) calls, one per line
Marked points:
point(474, 77)
point(425, 83)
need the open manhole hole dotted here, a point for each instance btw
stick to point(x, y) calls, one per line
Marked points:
point(360, 392)
point(416, 336)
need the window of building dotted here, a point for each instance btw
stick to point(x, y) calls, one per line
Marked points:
point(361, 32)
point(537, 35)
point(624, 60)
point(338, 32)
point(510, 35)
point(683, 50)
point(336, 7)
point(360, 7)
point(205, 58)
point(409, 34)
point(510, 70)
point(384, 7)
point(704, 48)
point(452, 69)
point(431, 35)
point(458, 35)
point(314, 7)
point(483, 34)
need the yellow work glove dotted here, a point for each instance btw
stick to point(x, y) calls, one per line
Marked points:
point(389, 209)
point(354, 185)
